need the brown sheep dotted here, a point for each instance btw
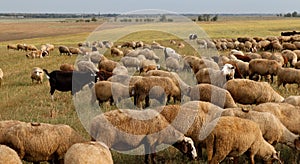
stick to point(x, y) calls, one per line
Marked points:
point(12, 46)
point(5, 125)
point(64, 50)
point(213, 94)
point(263, 67)
point(36, 54)
point(67, 67)
point(116, 52)
point(37, 142)
point(291, 57)
point(22, 47)
point(133, 128)
point(233, 136)
point(107, 65)
point(31, 47)
point(288, 76)
point(286, 113)
point(88, 152)
point(8, 155)
point(289, 46)
point(74, 50)
point(246, 91)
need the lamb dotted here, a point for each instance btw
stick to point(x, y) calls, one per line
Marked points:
point(66, 67)
point(272, 129)
point(263, 67)
point(213, 94)
point(233, 136)
point(286, 113)
point(291, 56)
point(143, 86)
point(37, 142)
point(12, 46)
point(288, 76)
point(131, 62)
point(64, 50)
point(293, 100)
point(37, 74)
point(1, 77)
point(134, 128)
point(8, 155)
point(247, 91)
point(169, 52)
point(88, 152)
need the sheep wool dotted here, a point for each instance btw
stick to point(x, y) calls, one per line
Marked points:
point(8, 155)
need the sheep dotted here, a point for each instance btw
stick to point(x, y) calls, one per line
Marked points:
point(288, 76)
point(64, 50)
point(12, 46)
point(169, 52)
point(143, 86)
point(180, 45)
point(37, 142)
point(103, 75)
point(5, 125)
point(104, 91)
point(131, 44)
point(289, 46)
point(297, 65)
point(149, 54)
point(116, 52)
point(21, 47)
point(173, 64)
point(291, 56)
point(87, 66)
point(247, 91)
point(134, 128)
point(213, 94)
point(233, 136)
point(293, 100)
point(107, 65)
point(193, 36)
point(36, 54)
point(215, 77)
point(131, 62)
point(297, 52)
point(266, 55)
point(74, 50)
point(297, 44)
point(272, 129)
point(196, 64)
point(37, 74)
point(279, 58)
point(31, 47)
point(286, 113)
point(147, 65)
point(66, 67)
point(50, 47)
point(8, 155)
point(1, 77)
point(88, 152)
point(120, 70)
point(263, 67)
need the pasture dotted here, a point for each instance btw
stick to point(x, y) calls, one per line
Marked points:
point(22, 100)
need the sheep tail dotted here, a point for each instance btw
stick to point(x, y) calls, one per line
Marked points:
point(47, 73)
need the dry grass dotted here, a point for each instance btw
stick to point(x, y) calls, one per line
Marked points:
point(22, 100)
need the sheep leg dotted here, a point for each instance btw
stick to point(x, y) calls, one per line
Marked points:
point(147, 101)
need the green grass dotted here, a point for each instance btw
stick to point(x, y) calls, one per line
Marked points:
point(22, 100)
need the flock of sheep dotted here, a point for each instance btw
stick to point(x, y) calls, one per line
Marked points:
point(205, 113)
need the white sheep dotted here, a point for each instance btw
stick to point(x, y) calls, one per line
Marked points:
point(173, 64)
point(36, 142)
point(247, 91)
point(133, 128)
point(88, 153)
point(291, 57)
point(293, 100)
point(86, 66)
point(233, 136)
point(37, 74)
point(8, 155)
point(131, 62)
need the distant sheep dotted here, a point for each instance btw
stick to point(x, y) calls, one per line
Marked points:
point(31, 47)
point(288, 76)
point(8, 155)
point(36, 54)
point(131, 62)
point(64, 50)
point(233, 136)
point(74, 50)
point(37, 142)
point(88, 152)
point(21, 47)
point(12, 46)
point(116, 52)
point(213, 94)
point(149, 128)
point(37, 74)
point(247, 91)
point(263, 67)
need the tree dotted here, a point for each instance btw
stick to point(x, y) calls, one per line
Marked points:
point(294, 14)
point(215, 18)
point(288, 15)
point(94, 19)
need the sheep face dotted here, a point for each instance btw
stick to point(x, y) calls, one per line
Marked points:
point(186, 146)
point(228, 70)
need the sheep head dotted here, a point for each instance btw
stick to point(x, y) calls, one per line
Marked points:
point(186, 146)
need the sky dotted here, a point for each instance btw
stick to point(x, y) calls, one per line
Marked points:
point(125, 6)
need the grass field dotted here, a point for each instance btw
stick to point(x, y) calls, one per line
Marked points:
point(22, 100)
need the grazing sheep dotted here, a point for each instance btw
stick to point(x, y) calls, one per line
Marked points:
point(173, 64)
point(8, 155)
point(293, 100)
point(36, 54)
point(169, 52)
point(67, 67)
point(233, 136)
point(266, 55)
point(288, 76)
point(88, 153)
point(74, 50)
point(286, 113)
point(180, 45)
point(213, 94)
point(116, 52)
point(246, 91)
point(263, 67)
point(64, 50)
point(1, 77)
point(131, 62)
point(193, 36)
point(87, 66)
point(133, 128)
point(50, 47)
point(291, 57)
point(149, 54)
point(22, 47)
point(107, 65)
point(277, 56)
point(131, 44)
point(37, 74)
point(37, 142)
point(143, 87)
point(12, 46)
point(271, 127)
point(147, 65)
point(31, 47)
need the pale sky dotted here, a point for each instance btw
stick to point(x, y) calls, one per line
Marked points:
point(124, 6)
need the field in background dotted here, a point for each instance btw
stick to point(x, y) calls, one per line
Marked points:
point(22, 100)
